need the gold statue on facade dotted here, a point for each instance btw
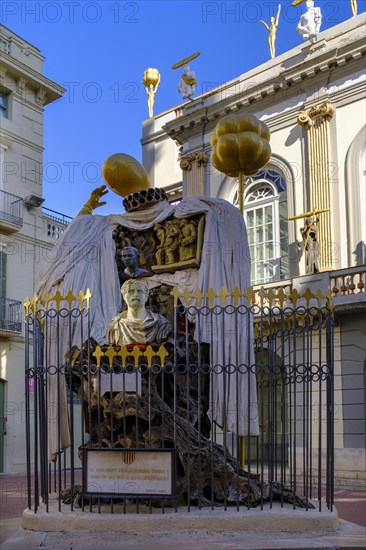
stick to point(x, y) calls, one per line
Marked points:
point(272, 31)
point(310, 236)
point(354, 7)
point(151, 82)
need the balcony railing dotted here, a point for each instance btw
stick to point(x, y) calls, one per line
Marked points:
point(345, 287)
point(56, 216)
point(10, 315)
point(56, 223)
point(348, 282)
point(11, 208)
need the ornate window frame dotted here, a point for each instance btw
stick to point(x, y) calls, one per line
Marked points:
point(262, 199)
point(292, 174)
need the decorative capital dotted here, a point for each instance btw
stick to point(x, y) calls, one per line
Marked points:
point(322, 112)
point(201, 158)
point(186, 161)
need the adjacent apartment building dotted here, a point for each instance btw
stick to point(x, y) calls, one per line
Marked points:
point(27, 231)
point(313, 100)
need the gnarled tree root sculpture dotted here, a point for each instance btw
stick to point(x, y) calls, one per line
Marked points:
point(171, 412)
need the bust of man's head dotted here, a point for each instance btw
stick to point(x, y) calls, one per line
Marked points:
point(130, 258)
point(135, 292)
point(137, 324)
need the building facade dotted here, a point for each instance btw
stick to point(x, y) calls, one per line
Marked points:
point(27, 231)
point(313, 100)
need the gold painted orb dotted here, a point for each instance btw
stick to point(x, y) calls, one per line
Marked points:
point(151, 76)
point(124, 175)
point(240, 143)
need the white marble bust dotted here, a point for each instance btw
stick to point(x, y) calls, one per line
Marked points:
point(137, 324)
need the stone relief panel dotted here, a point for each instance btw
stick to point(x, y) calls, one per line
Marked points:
point(168, 246)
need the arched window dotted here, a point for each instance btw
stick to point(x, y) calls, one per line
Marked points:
point(265, 213)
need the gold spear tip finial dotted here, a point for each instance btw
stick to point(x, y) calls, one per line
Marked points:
point(186, 60)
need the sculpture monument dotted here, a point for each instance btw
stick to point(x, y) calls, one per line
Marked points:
point(310, 22)
point(137, 324)
point(184, 404)
point(272, 32)
point(130, 257)
point(145, 209)
point(187, 83)
point(311, 245)
point(151, 80)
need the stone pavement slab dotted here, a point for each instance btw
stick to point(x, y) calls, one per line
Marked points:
point(349, 536)
point(350, 505)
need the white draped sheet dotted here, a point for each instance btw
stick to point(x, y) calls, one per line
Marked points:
point(85, 258)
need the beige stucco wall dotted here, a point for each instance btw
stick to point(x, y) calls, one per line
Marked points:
point(21, 162)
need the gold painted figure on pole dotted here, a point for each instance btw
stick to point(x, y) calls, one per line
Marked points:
point(309, 234)
point(151, 82)
point(272, 30)
point(311, 245)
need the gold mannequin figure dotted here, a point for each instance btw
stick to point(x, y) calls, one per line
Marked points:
point(272, 30)
point(151, 91)
point(151, 80)
point(354, 7)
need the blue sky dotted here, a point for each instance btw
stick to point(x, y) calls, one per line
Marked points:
point(98, 50)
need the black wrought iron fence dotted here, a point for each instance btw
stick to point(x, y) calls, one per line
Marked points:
point(235, 409)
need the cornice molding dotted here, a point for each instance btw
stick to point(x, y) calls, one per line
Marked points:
point(350, 94)
point(35, 80)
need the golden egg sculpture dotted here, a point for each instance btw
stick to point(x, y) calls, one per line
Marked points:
point(151, 77)
point(124, 174)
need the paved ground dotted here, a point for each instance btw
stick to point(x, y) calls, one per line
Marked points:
point(351, 506)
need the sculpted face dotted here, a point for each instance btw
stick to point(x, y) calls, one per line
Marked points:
point(129, 256)
point(135, 294)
